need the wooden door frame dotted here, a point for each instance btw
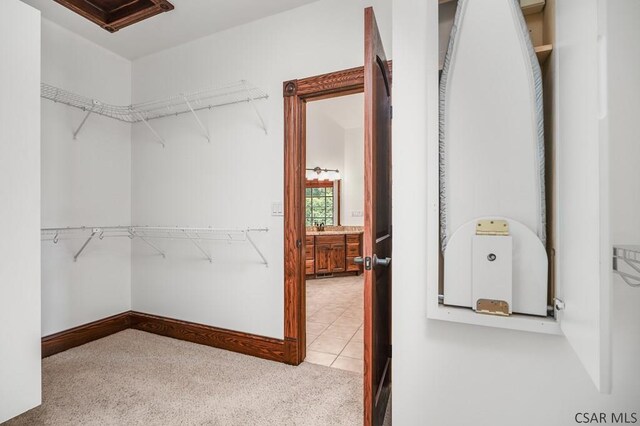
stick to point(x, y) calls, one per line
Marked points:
point(296, 95)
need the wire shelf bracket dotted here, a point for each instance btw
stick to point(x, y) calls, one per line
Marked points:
point(133, 234)
point(159, 138)
point(86, 243)
point(86, 117)
point(255, 108)
point(202, 126)
point(195, 243)
point(629, 255)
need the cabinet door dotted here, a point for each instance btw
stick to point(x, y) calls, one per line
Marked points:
point(338, 257)
point(20, 246)
point(309, 267)
point(353, 250)
point(584, 250)
point(323, 260)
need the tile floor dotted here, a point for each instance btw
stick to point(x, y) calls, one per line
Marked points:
point(334, 322)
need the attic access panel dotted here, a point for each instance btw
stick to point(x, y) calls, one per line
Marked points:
point(113, 15)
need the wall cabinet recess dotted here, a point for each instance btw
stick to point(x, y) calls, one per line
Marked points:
point(577, 180)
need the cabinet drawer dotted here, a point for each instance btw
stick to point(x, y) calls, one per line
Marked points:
point(330, 239)
point(310, 267)
point(309, 252)
point(353, 250)
point(353, 238)
point(351, 265)
point(309, 240)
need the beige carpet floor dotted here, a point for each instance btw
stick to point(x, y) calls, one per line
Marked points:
point(137, 378)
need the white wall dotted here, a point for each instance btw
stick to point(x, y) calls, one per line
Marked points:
point(19, 209)
point(232, 181)
point(325, 145)
point(85, 182)
point(456, 374)
point(331, 146)
point(325, 141)
point(352, 212)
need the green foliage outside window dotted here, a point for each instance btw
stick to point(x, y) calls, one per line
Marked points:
point(319, 206)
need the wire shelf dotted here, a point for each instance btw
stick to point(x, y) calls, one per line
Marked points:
point(630, 256)
point(149, 233)
point(234, 93)
point(238, 92)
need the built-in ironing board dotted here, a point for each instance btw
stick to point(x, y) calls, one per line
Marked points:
point(492, 164)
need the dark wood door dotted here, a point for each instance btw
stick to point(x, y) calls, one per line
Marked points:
point(377, 220)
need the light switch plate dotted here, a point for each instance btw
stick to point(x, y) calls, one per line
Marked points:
point(276, 209)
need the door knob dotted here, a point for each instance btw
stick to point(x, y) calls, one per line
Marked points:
point(386, 261)
point(376, 261)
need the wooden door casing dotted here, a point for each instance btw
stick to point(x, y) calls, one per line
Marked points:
point(296, 94)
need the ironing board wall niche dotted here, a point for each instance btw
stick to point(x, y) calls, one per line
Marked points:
point(492, 163)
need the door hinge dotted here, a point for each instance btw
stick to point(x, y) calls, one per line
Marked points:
point(492, 227)
point(298, 243)
point(391, 111)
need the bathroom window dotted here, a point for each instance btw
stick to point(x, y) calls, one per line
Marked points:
point(321, 201)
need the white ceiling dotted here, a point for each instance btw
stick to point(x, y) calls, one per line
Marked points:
point(347, 111)
point(191, 19)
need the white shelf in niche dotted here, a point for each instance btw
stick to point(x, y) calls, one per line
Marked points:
point(544, 325)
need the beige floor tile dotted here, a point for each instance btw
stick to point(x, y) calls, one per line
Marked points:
point(347, 321)
point(338, 332)
point(359, 336)
point(325, 316)
point(335, 315)
point(354, 349)
point(328, 345)
point(354, 313)
point(320, 358)
point(315, 329)
point(310, 339)
point(349, 364)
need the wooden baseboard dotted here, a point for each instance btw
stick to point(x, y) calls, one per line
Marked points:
point(249, 344)
point(86, 333)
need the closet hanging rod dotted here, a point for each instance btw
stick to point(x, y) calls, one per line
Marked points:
point(629, 255)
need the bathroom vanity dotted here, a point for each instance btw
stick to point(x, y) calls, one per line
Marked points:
point(332, 252)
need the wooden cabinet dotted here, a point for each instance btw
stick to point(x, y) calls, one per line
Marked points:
point(310, 255)
point(354, 249)
point(332, 254)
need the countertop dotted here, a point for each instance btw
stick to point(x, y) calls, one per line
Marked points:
point(336, 230)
